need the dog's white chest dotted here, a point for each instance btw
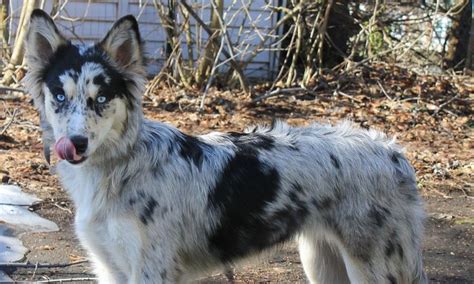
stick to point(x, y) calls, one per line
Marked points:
point(114, 237)
point(101, 227)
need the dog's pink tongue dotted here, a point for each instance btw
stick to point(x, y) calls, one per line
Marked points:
point(66, 150)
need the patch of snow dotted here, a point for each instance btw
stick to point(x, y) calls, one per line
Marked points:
point(11, 249)
point(19, 215)
point(12, 194)
point(15, 219)
point(24, 220)
point(4, 278)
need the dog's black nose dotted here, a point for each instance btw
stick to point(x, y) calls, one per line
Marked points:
point(80, 143)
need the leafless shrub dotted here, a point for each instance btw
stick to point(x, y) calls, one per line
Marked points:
point(217, 42)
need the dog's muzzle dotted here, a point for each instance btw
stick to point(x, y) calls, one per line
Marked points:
point(71, 149)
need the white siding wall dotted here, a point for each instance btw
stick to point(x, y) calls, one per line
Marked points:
point(90, 20)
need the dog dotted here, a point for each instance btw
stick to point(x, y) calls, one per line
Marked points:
point(156, 205)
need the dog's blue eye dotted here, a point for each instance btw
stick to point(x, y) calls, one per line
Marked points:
point(101, 99)
point(60, 98)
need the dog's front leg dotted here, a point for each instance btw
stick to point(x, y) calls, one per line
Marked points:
point(106, 274)
point(103, 263)
point(159, 265)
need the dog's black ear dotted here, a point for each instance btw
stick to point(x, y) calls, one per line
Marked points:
point(123, 43)
point(43, 39)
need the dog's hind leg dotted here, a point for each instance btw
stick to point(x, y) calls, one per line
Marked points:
point(328, 261)
point(383, 270)
point(387, 260)
point(322, 261)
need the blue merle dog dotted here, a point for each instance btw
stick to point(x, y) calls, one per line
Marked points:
point(156, 205)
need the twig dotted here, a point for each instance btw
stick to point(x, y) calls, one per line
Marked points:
point(13, 204)
point(233, 63)
point(63, 208)
point(444, 195)
point(40, 265)
point(211, 76)
point(10, 97)
point(412, 44)
point(369, 58)
point(287, 57)
point(224, 32)
point(336, 92)
point(466, 193)
point(408, 99)
point(292, 71)
point(288, 15)
point(62, 280)
point(7, 125)
point(450, 112)
point(445, 104)
point(59, 10)
point(372, 23)
point(28, 124)
point(154, 83)
point(322, 32)
point(34, 272)
point(3, 89)
point(383, 90)
point(278, 92)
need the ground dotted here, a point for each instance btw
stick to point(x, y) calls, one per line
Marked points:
point(431, 116)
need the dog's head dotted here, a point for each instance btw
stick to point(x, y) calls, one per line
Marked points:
point(88, 96)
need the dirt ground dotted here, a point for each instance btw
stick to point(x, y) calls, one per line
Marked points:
point(431, 116)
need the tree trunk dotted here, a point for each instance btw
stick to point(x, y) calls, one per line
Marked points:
point(470, 50)
point(458, 42)
point(18, 49)
point(4, 31)
point(341, 28)
point(210, 53)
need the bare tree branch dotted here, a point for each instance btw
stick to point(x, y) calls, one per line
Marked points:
point(233, 63)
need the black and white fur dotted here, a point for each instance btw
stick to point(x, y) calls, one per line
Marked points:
point(156, 205)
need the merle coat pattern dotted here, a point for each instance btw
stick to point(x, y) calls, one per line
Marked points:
point(155, 205)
